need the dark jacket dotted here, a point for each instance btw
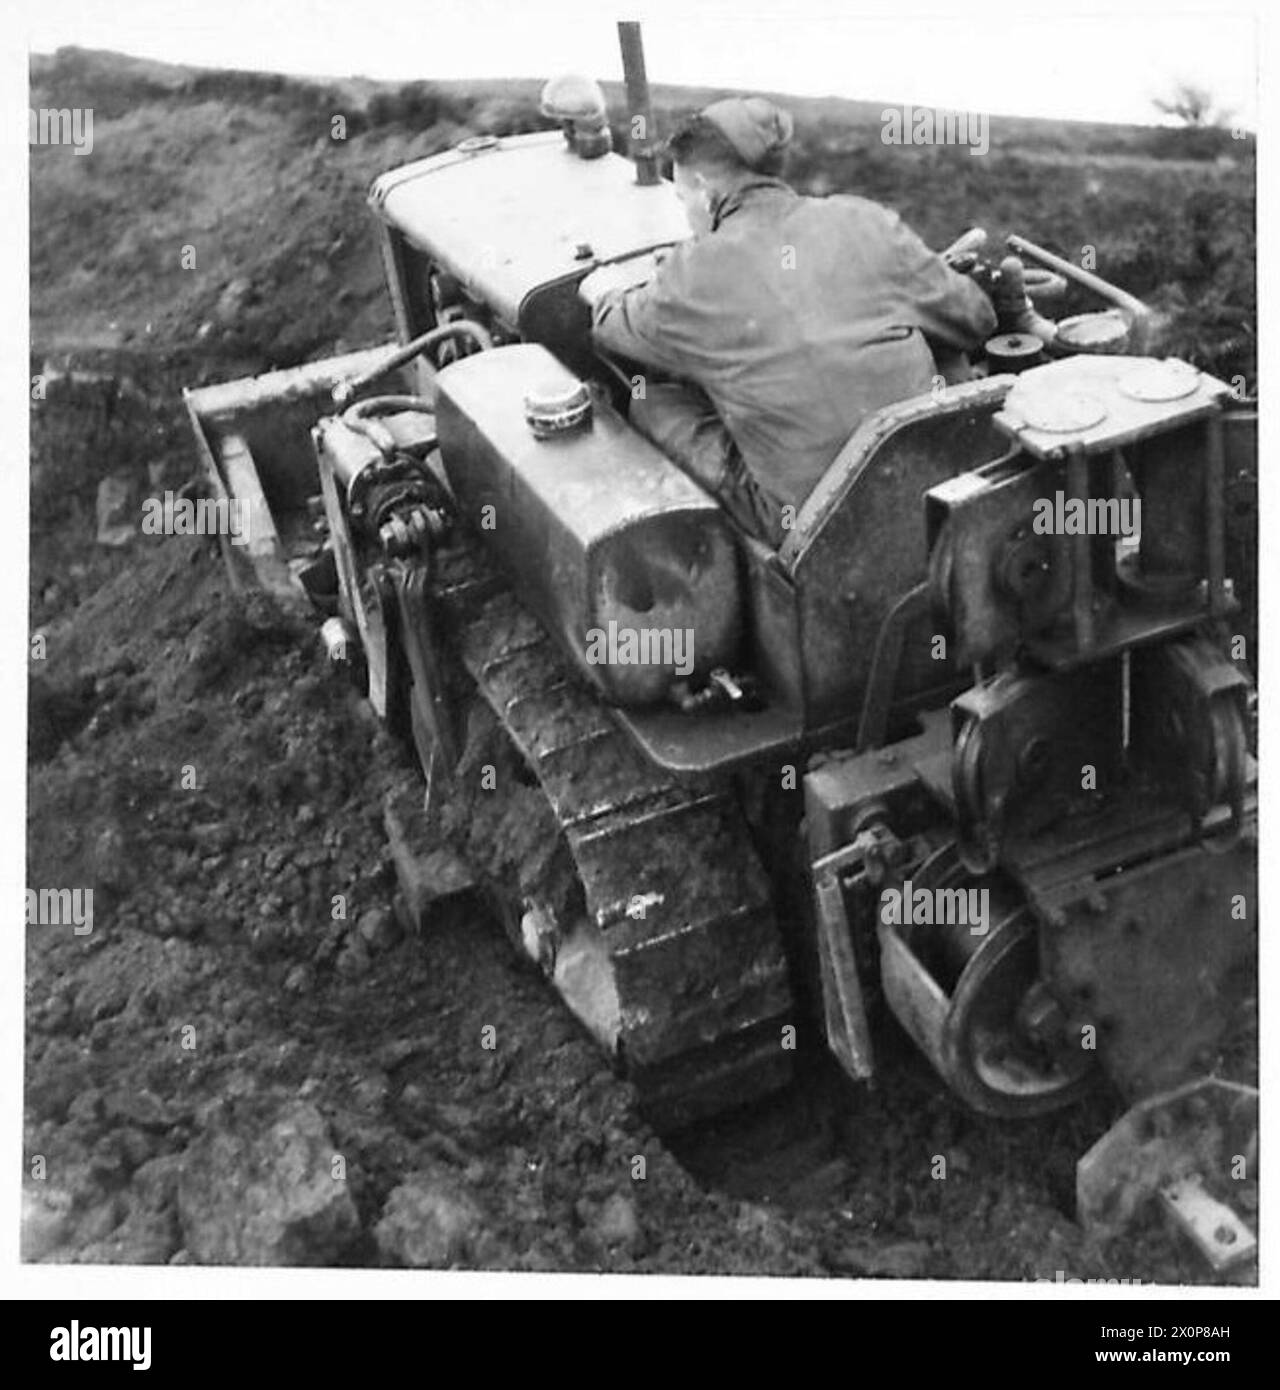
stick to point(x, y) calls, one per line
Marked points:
point(797, 316)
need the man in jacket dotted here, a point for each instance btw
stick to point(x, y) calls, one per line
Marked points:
point(790, 318)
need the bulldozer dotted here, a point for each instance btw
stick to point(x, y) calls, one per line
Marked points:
point(964, 748)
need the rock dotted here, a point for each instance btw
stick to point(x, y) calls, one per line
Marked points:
point(269, 937)
point(47, 1219)
point(136, 1147)
point(414, 1099)
point(86, 1108)
point(100, 1220)
point(299, 980)
point(378, 929)
point(427, 871)
point(110, 859)
point(757, 1222)
point(142, 1108)
point(214, 837)
point(116, 510)
point(397, 1052)
point(904, 1259)
point(427, 1223)
point(107, 1166)
point(57, 1014)
point(233, 300)
point(185, 927)
point(371, 1093)
point(354, 959)
point(617, 1223)
point(56, 712)
point(142, 1238)
point(258, 1189)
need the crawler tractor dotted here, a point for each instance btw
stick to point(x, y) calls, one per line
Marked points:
point(927, 756)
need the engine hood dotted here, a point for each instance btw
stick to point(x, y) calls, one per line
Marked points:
point(510, 215)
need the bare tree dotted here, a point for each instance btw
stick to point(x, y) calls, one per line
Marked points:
point(1193, 106)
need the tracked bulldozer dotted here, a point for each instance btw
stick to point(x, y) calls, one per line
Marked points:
point(962, 747)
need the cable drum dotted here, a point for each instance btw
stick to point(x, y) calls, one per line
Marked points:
point(971, 996)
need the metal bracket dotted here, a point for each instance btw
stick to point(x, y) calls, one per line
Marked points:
point(1168, 1147)
point(843, 1006)
point(885, 662)
point(844, 1013)
point(431, 715)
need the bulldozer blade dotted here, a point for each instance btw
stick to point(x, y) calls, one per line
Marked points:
point(1194, 1149)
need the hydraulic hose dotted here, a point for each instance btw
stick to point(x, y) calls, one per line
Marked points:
point(345, 391)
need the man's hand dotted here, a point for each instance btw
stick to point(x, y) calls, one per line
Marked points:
point(620, 275)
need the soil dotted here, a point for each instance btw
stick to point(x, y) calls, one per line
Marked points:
point(220, 788)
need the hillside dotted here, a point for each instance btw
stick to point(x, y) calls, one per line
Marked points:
point(242, 167)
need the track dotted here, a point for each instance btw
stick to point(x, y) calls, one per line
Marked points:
point(651, 912)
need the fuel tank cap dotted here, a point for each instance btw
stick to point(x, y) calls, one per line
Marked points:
point(1066, 412)
point(1157, 382)
point(1104, 333)
point(557, 407)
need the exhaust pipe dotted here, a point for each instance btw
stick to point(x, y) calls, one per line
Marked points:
point(643, 146)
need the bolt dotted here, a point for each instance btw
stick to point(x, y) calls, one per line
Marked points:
point(1040, 1015)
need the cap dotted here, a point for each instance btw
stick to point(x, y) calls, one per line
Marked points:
point(754, 126)
point(571, 97)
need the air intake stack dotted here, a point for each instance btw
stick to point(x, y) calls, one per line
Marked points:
point(643, 144)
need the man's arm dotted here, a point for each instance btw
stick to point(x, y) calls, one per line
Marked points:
point(949, 307)
point(648, 323)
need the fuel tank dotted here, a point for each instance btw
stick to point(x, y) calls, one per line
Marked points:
point(626, 560)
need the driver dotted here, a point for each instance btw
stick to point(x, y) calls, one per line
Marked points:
point(789, 318)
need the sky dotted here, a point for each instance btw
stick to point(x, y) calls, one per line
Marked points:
point(1060, 60)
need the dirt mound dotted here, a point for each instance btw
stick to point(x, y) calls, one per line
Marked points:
point(222, 794)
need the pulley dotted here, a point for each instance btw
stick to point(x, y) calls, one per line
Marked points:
point(970, 995)
point(1189, 722)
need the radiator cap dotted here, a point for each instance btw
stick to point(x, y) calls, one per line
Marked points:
point(556, 408)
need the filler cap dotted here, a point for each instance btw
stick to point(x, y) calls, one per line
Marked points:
point(556, 408)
